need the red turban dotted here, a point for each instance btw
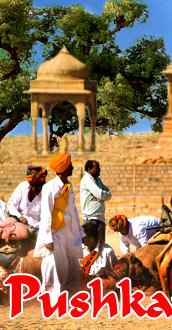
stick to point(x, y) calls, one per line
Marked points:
point(60, 162)
point(36, 173)
point(118, 222)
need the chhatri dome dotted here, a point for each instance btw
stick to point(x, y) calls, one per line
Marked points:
point(63, 65)
point(63, 78)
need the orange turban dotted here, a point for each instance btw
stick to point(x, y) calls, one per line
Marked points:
point(60, 162)
point(118, 222)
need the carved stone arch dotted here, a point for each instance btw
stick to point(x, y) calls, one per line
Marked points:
point(57, 112)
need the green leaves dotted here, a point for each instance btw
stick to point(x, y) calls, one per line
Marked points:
point(125, 13)
point(21, 27)
point(115, 102)
point(15, 22)
point(130, 82)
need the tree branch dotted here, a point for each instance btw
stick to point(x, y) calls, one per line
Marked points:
point(13, 54)
point(119, 21)
point(8, 127)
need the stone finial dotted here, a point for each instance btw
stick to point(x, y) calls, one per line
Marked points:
point(64, 50)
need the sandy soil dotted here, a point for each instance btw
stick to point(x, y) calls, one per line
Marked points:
point(32, 317)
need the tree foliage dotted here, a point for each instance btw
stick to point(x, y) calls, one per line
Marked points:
point(112, 104)
point(130, 82)
point(21, 28)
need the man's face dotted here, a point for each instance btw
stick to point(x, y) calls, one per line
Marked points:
point(95, 170)
point(37, 187)
point(91, 242)
point(69, 170)
point(124, 231)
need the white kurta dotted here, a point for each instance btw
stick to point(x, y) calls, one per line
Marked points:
point(93, 194)
point(60, 268)
point(138, 235)
point(20, 205)
point(3, 210)
point(106, 258)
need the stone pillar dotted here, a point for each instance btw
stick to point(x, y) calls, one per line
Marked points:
point(34, 136)
point(93, 117)
point(34, 116)
point(45, 136)
point(169, 111)
point(166, 135)
point(93, 136)
point(81, 117)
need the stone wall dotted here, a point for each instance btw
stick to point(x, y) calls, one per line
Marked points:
point(136, 189)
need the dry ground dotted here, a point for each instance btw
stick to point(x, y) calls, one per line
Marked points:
point(32, 319)
point(16, 150)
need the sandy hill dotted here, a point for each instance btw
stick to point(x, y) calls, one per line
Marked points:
point(124, 148)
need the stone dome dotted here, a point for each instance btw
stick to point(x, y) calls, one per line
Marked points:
point(63, 65)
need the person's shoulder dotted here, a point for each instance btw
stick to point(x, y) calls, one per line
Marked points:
point(153, 220)
point(85, 179)
point(144, 219)
point(23, 184)
point(84, 176)
point(49, 183)
point(53, 185)
point(135, 222)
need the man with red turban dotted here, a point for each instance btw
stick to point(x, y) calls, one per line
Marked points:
point(133, 231)
point(25, 201)
point(59, 242)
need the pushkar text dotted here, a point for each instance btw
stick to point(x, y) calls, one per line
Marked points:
point(83, 302)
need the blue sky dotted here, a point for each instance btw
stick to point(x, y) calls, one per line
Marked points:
point(159, 24)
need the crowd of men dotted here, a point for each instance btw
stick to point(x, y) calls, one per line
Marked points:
point(49, 211)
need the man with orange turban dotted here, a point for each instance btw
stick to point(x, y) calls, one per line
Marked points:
point(59, 242)
point(133, 231)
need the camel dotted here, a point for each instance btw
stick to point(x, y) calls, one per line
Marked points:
point(140, 266)
point(164, 265)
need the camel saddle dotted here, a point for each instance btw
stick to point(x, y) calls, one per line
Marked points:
point(159, 238)
point(164, 235)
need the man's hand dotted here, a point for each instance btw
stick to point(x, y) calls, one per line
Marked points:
point(50, 246)
point(23, 220)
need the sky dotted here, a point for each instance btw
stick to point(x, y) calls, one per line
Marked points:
point(159, 24)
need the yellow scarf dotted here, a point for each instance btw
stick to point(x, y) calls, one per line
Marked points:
point(60, 204)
